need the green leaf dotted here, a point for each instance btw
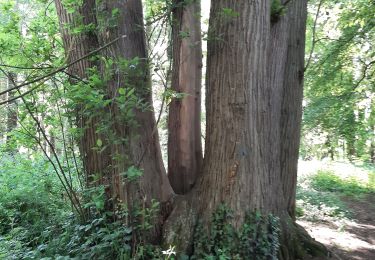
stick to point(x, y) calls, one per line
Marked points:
point(121, 91)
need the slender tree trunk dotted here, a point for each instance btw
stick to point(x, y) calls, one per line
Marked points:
point(12, 112)
point(184, 125)
point(3, 123)
point(372, 134)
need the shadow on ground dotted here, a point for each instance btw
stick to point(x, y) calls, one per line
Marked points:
point(350, 239)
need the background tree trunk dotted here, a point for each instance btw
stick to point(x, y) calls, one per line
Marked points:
point(184, 125)
point(12, 113)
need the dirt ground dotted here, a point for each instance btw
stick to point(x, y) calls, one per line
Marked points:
point(349, 239)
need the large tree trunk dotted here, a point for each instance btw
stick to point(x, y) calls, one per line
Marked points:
point(254, 70)
point(77, 46)
point(143, 141)
point(239, 161)
point(184, 126)
point(128, 141)
point(292, 95)
point(249, 83)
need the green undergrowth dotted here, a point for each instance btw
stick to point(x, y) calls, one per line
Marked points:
point(330, 181)
point(315, 205)
point(37, 221)
point(258, 237)
point(31, 203)
point(320, 195)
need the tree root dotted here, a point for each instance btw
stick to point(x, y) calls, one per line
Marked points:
point(178, 230)
point(296, 243)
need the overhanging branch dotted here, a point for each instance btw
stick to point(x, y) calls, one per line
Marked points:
point(48, 75)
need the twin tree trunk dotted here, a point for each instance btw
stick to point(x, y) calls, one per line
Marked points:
point(184, 122)
point(254, 94)
point(253, 104)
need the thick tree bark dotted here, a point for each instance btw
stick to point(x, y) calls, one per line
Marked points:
point(143, 144)
point(239, 162)
point(292, 96)
point(76, 46)
point(136, 143)
point(254, 70)
point(249, 83)
point(184, 126)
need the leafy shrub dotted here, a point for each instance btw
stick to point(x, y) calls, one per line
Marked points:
point(98, 238)
point(30, 204)
point(314, 205)
point(37, 222)
point(30, 196)
point(371, 181)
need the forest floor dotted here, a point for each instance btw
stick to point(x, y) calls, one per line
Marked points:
point(337, 207)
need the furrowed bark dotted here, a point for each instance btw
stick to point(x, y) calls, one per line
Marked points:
point(294, 24)
point(238, 166)
point(184, 126)
point(249, 83)
point(142, 146)
point(239, 162)
point(76, 46)
point(136, 139)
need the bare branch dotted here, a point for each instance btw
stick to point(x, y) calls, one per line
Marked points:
point(314, 35)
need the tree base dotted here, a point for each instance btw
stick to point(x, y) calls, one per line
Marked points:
point(296, 243)
point(180, 231)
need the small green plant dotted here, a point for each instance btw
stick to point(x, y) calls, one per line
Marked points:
point(258, 237)
point(315, 205)
point(229, 13)
point(132, 173)
point(277, 10)
point(371, 181)
point(31, 203)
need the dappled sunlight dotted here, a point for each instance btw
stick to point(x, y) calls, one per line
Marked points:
point(343, 169)
point(351, 238)
point(335, 202)
point(343, 237)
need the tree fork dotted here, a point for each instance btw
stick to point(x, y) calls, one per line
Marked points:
point(243, 166)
